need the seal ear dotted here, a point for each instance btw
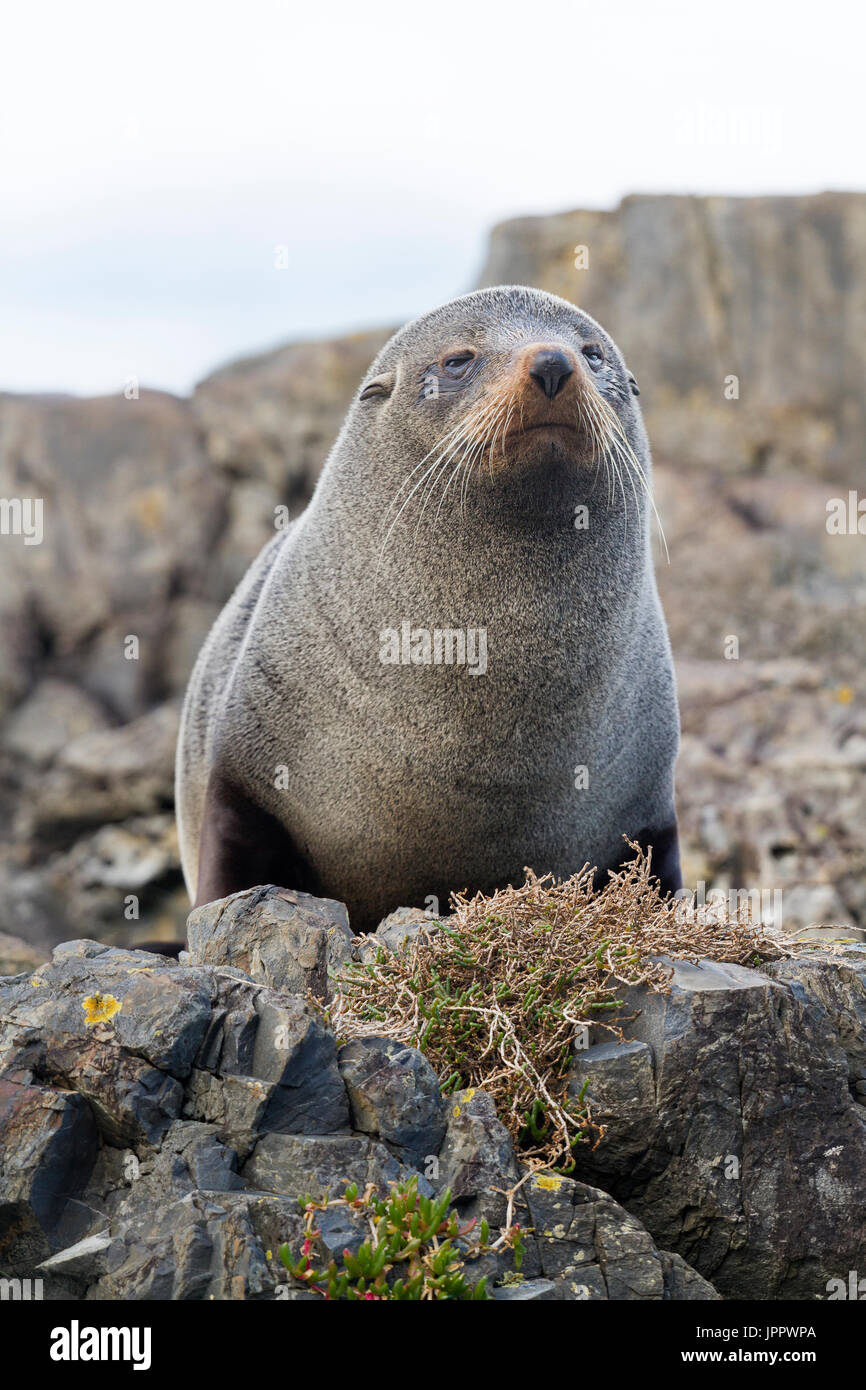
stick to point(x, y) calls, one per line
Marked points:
point(633, 386)
point(379, 386)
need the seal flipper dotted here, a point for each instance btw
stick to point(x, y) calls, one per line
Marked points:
point(242, 846)
point(665, 845)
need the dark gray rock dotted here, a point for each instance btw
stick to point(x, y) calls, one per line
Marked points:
point(159, 1011)
point(731, 1130)
point(297, 1165)
point(592, 1249)
point(622, 1088)
point(48, 1147)
point(235, 1105)
point(477, 1152)
point(394, 1094)
point(119, 1027)
point(681, 1282)
point(278, 937)
point(266, 1063)
point(193, 1156)
point(835, 983)
point(115, 1194)
point(201, 1246)
point(132, 1102)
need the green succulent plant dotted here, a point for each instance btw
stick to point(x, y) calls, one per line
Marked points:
point(417, 1249)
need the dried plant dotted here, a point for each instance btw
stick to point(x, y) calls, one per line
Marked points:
point(498, 994)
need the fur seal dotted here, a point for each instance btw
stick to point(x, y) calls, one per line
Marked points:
point(454, 663)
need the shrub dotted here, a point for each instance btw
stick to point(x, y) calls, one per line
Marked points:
point(498, 995)
point(416, 1249)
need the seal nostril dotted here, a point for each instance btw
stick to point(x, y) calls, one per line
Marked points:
point(551, 369)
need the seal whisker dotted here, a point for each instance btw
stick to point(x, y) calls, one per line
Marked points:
point(478, 452)
point(471, 460)
point(635, 465)
point(408, 499)
point(484, 412)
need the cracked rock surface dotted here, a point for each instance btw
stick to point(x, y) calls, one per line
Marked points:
point(159, 1121)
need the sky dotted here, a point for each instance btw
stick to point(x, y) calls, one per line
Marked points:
point(182, 183)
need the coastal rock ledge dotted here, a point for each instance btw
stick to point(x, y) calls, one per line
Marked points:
point(159, 1121)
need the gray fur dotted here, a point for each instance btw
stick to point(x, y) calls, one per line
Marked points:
point(406, 781)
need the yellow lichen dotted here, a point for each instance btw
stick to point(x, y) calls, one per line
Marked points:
point(99, 1008)
point(548, 1182)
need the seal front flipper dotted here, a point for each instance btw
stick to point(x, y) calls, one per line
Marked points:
point(665, 845)
point(242, 846)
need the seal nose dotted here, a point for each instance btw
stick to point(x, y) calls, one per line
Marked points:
point(551, 369)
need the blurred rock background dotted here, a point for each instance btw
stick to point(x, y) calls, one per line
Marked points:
point(154, 507)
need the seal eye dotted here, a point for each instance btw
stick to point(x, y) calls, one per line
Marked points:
point(457, 363)
point(594, 355)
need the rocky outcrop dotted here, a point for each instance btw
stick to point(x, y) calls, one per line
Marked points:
point(289, 940)
point(271, 419)
point(159, 1122)
point(734, 1117)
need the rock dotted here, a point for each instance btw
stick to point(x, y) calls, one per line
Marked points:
point(591, 1249)
point(273, 417)
point(53, 715)
point(394, 1095)
point(621, 1087)
point(528, 1291)
point(279, 937)
point(131, 506)
point(16, 955)
point(121, 1028)
point(266, 1063)
point(294, 1049)
point(48, 1147)
point(157, 1010)
point(829, 935)
point(199, 1247)
point(198, 1159)
point(159, 1122)
point(79, 1259)
point(476, 1153)
point(405, 925)
point(745, 1152)
point(681, 1282)
point(835, 983)
point(107, 776)
point(297, 1165)
point(120, 880)
point(234, 1105)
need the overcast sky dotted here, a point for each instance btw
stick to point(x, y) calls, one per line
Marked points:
point(153, 157)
